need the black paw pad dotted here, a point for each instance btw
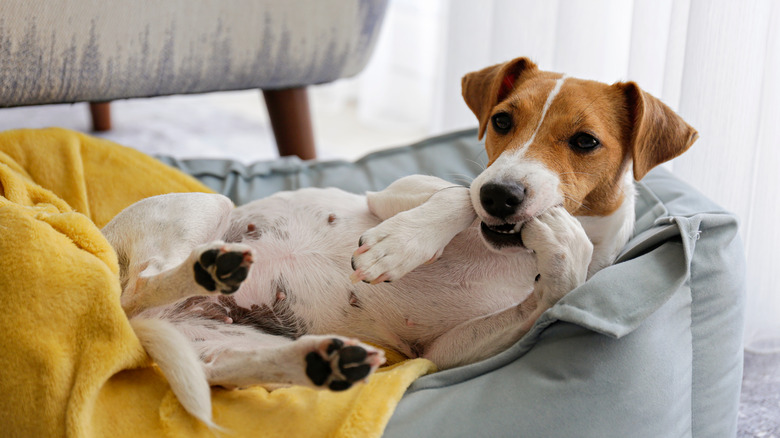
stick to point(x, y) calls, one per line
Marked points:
point(203, 278)
point(351, 354)
point(209, 257)
point(339, 385)
point(336, 344)
point(355, 373)
point(317, 368)
point(351, 363)
point(221, 270)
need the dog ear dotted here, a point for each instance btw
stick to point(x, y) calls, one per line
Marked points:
point(486, 88)
point(656, 133)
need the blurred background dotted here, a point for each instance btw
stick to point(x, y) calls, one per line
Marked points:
point(716, 62)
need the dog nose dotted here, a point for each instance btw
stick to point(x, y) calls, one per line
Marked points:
point(501, 200)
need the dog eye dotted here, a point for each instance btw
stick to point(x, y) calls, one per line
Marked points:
point(502, 122)
point(583, 142)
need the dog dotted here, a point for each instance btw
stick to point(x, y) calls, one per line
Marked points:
point(303, 287)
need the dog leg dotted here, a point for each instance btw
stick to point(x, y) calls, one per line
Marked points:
point(239, 356)
point(422, 214)
point(563, 253)
point(211, 269)
point(163, 254)
point(483, 337)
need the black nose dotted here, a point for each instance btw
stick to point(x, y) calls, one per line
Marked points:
point(501, 200)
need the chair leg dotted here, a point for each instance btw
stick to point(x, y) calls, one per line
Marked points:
point(101, 116)
point(288, 110)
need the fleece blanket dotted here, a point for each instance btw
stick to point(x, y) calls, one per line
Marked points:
point(71, 365)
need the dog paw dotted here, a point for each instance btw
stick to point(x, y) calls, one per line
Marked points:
point(391, 250)
point(222, 267)
point(563, 252)
point(338, 363)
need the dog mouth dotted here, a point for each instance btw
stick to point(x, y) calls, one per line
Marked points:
point(505, 235)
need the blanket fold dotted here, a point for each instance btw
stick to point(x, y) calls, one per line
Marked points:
point(71, 363)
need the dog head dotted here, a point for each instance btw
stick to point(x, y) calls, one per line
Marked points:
point(553, 140)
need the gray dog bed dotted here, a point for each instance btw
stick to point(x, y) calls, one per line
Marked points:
point(649, 347)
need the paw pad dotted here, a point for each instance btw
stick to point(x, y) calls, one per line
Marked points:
point(222, 269)
point(339, 366)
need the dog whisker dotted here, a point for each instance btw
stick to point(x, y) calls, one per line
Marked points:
point(570, 198)
point(482, 166)
point(462, 178)
point(577, 173)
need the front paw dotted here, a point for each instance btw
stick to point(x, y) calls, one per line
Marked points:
point(222, 267)
point(563, 253)
point(391, 250)
point(338, 363)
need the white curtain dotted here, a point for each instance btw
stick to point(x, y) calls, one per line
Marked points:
point(717, 62)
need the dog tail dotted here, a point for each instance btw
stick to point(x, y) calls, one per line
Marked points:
point(172, 352)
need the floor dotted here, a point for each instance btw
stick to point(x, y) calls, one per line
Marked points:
point(759, 407)
point(227, 125)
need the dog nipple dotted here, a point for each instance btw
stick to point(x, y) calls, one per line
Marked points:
point(280, 296)
point(331, 218)
point(409, 322)
point(252, 231)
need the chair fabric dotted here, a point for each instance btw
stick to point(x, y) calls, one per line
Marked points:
point(61, 51)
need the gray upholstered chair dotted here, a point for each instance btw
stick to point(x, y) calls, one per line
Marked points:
point(62, 51)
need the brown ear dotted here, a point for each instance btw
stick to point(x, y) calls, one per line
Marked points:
point(657, 134)
point(484, 89)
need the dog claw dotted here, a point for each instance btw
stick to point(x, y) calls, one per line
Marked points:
point(357, 276)
point(380, 279)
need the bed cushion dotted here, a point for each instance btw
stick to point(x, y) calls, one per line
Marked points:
point(649, 347)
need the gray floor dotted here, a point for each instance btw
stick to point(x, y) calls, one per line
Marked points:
point(759, 409)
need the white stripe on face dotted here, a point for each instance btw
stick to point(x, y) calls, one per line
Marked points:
point(550, 97)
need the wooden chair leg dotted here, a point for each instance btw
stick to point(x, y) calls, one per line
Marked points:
point(288, 110)
point(101, 116)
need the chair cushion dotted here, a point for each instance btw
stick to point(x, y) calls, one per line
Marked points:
point(55, 52)
point(649, 347)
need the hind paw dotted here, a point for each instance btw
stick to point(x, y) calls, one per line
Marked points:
point(222, 267)
point(338, 363)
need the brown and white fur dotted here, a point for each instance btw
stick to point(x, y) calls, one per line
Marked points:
point(278, 292)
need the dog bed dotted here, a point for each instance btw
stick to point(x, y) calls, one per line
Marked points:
point(649, 347)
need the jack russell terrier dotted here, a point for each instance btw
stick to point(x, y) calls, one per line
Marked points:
point(275, 291)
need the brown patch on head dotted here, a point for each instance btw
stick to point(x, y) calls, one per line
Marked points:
point(484, 89)
point(627, 124)
point(656, 133)
point(589, 178)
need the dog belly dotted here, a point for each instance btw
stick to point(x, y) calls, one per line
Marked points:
point(467, 282)
point(299, 283)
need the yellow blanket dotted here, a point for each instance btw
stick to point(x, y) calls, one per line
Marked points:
point(69, 361)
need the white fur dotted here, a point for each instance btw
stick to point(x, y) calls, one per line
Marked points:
point(547, 103)
point(174, 355)
point(541, 185)
point(450, 297)
point(470, 304)
point(609, 234)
